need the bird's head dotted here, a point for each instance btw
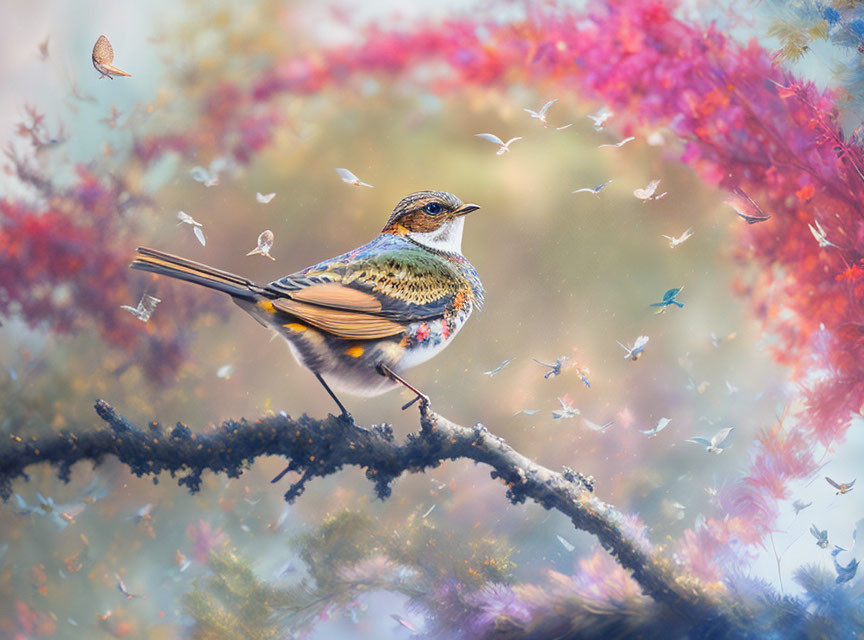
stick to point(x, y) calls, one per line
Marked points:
point(433, 219)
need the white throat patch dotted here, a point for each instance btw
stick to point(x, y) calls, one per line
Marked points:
point(447, 238)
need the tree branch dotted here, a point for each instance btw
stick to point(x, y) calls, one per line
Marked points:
point(318, 448)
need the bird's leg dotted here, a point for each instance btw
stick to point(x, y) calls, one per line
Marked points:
point(387, 372)
point(345, 415)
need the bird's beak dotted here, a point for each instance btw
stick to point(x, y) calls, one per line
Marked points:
point(466, 209)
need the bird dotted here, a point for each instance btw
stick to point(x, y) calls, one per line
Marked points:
point(647, 192)
point(595, 190)
point(619, 144)
point(600, 118)
point(566, 411)
point(799, 506)
point(145, 307)
point(821, 536)
point(820, 235)
point(265, 243)
point(103, 56)
point(635, 352)
point(669, 298)
point(358, 320)
point(197, 227)
point(842, 487)
point(264, 198)
point(653, 431)
point(349, 178)
point(498, 369)
point(844, 574)
point(747, 208)
point(554, 369)
point(541, 115)
point(714, 445)
point(503, 147)
point(675, 241)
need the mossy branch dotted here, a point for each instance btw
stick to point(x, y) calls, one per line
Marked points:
point(318, 448)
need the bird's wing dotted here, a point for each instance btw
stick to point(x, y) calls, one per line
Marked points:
point(851, 484)
point(551, 366)
point(641, 341)
point(814, 531)
point(832, 483)
point(720, 437)
point(546, 106)
point(702, 441)
point(583, 189)
point(533, 113)
point(512, 140)
point(375, 291)
point(661, 424)
point(347, 175)
point(491, 137)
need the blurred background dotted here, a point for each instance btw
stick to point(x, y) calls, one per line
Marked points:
point(566, 275)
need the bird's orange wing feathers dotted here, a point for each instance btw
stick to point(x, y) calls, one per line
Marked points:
point(352, 323)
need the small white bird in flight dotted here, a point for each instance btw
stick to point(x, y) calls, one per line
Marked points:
point(619, 144)
point(541, 115)
point(264, 198)
point(265, 243)
point(653, 431)
point(145, 307)
point(597, 427)
point(209, 177)
point(197, 227)
point(566, 411)
point(600, 118)
point(595, 190)
point(714, 445)
point(675, 241)
point(635, 352)
point(350, 178)
point(820, 235)
point(647, 192)
point(503, 147)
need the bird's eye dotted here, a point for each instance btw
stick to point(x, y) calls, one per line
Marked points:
point(433, 208)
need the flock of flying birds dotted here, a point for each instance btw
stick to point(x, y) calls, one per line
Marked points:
point(744, 206)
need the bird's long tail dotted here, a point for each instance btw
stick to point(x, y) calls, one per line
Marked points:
point(173, 266)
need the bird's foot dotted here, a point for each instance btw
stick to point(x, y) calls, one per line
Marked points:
point(423, 400)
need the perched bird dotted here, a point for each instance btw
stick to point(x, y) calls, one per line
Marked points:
point(197, 227)
point(635, 352)
point(264, 198)
point(554, 369)
point(103, 56)
point(350, 178)
point(821, 536)
point(842, 487)
point(498, 369)
point(595, 190)
point(503, 147)
point(661, 424)
point(648, 192)
point(600, 118)
point(145, 307)
point(799, 506)
point(358, 320)
point(669, 298)
point(620, 144)
point(820, 235)
point(715, 444)
point(541, 115)
point(675, 241)
point(265, 243)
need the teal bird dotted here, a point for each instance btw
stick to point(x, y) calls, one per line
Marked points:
point(669, 298)
point(358, 320)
